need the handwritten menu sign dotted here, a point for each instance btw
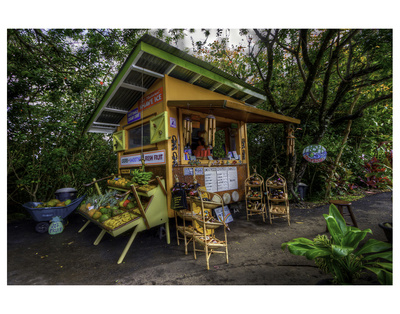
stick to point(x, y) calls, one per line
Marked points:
point(210, 178)
point(232, 178)
point(220, 179)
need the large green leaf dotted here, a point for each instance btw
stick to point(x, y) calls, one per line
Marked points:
point(317, 252)
point(384, 277)
point(299, 248)
point(387, 255)
point(374, 246)
point(341, 251)
point(354, 236)
point(333, 211)
point(297, 240)
point(334, 229)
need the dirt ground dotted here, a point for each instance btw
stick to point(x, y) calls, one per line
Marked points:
point(255, 255)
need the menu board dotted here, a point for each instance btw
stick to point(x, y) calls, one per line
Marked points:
point(219, 179)
point(210, 178)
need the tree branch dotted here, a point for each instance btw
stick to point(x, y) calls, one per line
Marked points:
point(361, 109)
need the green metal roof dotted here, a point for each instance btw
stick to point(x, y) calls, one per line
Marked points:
point(150, 60)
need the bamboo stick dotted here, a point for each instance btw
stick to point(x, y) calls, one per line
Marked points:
point(207, 131)
point(190, 133)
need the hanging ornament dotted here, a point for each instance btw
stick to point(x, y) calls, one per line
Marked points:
point(210, 126)
point(290, 141)
point(187, 131)
point(315, 153)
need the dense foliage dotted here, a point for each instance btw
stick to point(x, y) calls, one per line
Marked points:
point(55, 78)
point(337, 82)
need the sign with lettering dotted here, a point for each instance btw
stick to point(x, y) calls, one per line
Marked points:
point(134, 115)
point(218, 179)
point(56, 225)
point(151, 99)
point(220, 214)
point(156, 157)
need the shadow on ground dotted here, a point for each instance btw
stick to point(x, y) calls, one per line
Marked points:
point(255, 255)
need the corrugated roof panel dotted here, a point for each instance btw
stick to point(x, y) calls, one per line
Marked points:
point(204, 82)
point(224, 89)
point(239, 95)
point(185, 56)
point(252, 100)
point(110, 117)
point(124, 99)
point(182, 74)
point(152, 63)
point(135, 78)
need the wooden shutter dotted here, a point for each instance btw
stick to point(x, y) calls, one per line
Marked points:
point(119, 140)
point(159, 128)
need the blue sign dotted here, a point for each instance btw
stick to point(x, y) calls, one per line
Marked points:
point(134, 115)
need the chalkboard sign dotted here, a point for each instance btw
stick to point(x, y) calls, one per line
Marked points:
point(178, 200)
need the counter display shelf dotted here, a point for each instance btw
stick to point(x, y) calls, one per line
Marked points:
point(277, 197)
point(150, 212)
point(254, 193)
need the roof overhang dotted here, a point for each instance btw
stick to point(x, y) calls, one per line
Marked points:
point(233, 110)
point(152, 59)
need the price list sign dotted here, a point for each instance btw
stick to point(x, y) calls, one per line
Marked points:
point(220, 179)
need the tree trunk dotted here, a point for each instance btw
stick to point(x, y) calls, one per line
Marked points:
point(344, 140)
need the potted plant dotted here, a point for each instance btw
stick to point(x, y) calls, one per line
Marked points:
point(339, 254)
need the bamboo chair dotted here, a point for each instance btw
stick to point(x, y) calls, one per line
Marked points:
point(207, 240)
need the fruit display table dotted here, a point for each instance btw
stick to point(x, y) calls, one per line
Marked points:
point(150, 211)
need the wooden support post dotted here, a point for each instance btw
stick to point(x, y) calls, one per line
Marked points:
point(142, 212)
point(161, 185)
point(99, 237)
point(97, 186)
point(84, 226)
point(128, 245)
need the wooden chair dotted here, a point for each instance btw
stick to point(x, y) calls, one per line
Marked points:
point(206, 239)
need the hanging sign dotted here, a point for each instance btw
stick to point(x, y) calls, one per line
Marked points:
point(134, 115)
point(151, 99)
point(56, 225)
point(156, 157)
point(314, 153)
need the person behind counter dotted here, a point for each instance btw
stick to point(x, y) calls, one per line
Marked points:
point(201, 151)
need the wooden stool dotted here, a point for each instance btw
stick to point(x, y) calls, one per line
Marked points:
point(340, 204)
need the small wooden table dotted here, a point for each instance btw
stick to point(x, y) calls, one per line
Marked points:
point(340, 204)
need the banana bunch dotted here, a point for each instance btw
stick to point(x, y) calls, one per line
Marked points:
point(141, 177)
point(119, 220)
point(146, 188)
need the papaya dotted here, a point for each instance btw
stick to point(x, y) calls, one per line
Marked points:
point(104, 217)
point(105, 210)
point(97, 215)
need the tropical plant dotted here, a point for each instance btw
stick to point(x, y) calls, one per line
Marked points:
point(340, 256)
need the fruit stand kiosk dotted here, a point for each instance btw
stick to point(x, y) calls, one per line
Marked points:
point(167, 111)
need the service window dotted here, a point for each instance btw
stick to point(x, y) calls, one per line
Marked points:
point(135, 136)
